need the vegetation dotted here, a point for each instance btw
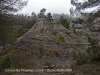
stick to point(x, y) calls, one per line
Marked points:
point(74, 31)
point(11, 58)
point(88, 17)
point(49, 16)
point(5, 30)
point(5, 63)
point(82, 5)
point(6, 20)
point(19, 30)
point(43, 11)
point(12, 5)
point(59, 37)
point(92, 53)
point(65, 23)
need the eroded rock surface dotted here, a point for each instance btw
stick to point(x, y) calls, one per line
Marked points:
point(45, 48)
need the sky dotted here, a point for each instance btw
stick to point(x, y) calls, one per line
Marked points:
point(53, 6)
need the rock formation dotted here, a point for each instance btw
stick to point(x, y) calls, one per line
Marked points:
point(45, 48)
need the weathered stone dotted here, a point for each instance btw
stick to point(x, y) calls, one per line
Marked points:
point(39, 40)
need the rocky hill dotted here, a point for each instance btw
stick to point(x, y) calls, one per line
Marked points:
point(46, 45)
point(45, 48)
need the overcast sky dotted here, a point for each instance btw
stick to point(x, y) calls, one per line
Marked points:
point(53, 6)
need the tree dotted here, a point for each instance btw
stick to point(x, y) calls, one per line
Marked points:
point(65, 23)
point(49, 16)
point(5, 30)
point(33, 17)
point(6, 20)
point(31, 20)
point(43, 11)
point(92, 53)
point(93, 49)
point(11, 5)
point(79, 6)
point(61, 19)
point(83, 5)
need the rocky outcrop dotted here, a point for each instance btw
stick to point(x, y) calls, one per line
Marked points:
point(45, 48)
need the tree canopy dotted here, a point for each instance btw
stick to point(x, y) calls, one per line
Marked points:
point(49, 16)
point(12, 5)
point(6, 20)
point(43, 11)
point(83, 4)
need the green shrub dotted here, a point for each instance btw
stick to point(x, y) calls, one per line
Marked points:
point(93, 49)
point(65, 23)
point(59, 37)
point(92, 53)
point(83, 58)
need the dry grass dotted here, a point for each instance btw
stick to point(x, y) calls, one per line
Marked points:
point(50, 51)
point(19, 58)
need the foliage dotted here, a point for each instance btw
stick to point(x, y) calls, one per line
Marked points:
point(30, 20)
point(11, 5)
point(43, 11)
point(83, 58)
point(59, 37)
point(82, 5)
point(65, 23)
point(13, 26)
point(21, 30)
point(90, 17)
point(18, 31)
point(49, 16)
point(5, 30)
point(92, 53)
point(74, 31)
point(27, 21)
point(6, 20)
point(6, 63)
point(94, 49)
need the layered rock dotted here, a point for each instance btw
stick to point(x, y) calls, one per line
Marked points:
point(45, 48)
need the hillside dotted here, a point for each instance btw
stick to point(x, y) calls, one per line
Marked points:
point(43, 32)
point(46, 45)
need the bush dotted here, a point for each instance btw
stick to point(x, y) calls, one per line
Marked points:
point(65, 23)
point(83, 58)
point(92, 53)
point(59, 37)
